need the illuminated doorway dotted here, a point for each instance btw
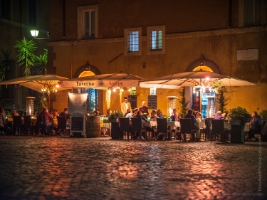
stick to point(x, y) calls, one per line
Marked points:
point(203, 99)
point(92, 93)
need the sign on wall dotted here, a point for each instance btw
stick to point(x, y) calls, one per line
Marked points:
point(247, 54)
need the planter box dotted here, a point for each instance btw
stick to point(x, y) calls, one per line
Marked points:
point(237, 132)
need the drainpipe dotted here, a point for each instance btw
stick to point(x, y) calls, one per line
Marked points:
point(64, 18)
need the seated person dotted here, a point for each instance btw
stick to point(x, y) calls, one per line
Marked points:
point(159, 114)
point(153, 116)
point(255, 125)
point(144, 119)
point(48, 119)
point(108, 113)
point(97, 112)
point(218, 115)
point(55, 122)
point(175, 116)
point(129, 114)
point(144, 109)
point(15, 113)
point(193, 119)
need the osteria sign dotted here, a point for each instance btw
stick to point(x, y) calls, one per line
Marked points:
point(99, 83)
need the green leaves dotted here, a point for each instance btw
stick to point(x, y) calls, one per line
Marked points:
point(41, 61)
point(28, 59)
point(26, 55)
point(183, 103)
point(6, 63)
point(238, 113)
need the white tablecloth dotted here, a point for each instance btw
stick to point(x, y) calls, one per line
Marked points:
point(227, 125)
point(173, 125)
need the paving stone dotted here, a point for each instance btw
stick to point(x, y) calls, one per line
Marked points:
point(100, 168)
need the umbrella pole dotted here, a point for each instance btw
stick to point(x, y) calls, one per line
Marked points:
point(49, 102)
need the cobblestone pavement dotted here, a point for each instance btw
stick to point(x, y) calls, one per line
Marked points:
point(83, 168)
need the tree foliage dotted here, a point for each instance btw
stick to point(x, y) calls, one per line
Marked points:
point(6, 63)
point(222, 100)
point(183, 102)
point(41, 62)
point(26, 56)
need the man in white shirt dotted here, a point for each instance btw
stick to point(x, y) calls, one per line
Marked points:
point(125, 105)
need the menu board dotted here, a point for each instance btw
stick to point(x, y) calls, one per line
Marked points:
point(133, 100)
point(152, 102)
point(77, 123)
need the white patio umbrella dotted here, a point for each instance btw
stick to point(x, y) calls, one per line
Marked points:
point(47, 83)
point(196, 78)
point(38, 82)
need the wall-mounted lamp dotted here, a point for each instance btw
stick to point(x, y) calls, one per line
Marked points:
point(34, 33)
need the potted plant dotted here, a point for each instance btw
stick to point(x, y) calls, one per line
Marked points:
point(238, 118)
point(115, 115)
point(263, 114)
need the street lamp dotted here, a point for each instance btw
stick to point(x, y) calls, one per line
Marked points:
point(34, 33)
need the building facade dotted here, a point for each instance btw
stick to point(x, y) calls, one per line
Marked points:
point(156, 38)
point(17, 18)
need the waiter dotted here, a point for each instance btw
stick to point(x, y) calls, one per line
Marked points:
point(125, 105)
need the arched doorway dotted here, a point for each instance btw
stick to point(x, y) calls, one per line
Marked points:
point(93, 94)
point(203, 99)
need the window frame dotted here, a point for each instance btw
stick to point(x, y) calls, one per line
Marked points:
point(8, 14)
point(126, 41)
point(151, 51)
point(80, 21)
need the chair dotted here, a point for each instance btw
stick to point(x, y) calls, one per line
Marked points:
point(218, 129)
point(27, 124)
point(125, 127)
point(162, 127)
point(137, 126)
point(61, 124)
point(40, 125)
point(17, 124)
point(264, 131)
point(186, 127)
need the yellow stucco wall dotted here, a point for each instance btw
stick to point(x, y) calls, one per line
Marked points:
point(181, 49)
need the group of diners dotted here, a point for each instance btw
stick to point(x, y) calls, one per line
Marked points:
point(198, 124)
point(45, 123)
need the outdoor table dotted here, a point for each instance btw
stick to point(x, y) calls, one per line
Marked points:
point(227, 125)
point(173, 125)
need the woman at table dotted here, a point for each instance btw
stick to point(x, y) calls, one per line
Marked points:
point(15, 113)
point(159, 114)
point(2, 121)
point(255, 125)
point(145, 122)
point(48, 121)
point(55, 122)
point(153, 116)
point(175, 116)
point(144, 109)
